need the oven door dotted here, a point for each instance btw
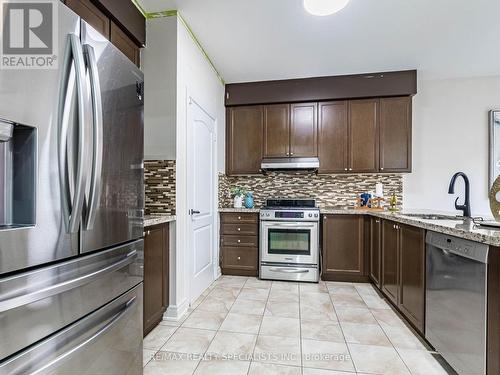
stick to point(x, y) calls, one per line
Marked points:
point(289, 242)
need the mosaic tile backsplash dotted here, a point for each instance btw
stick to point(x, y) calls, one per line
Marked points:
point(159, 185)
point(328, 190)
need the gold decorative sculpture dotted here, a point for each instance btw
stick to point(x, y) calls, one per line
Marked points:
point(495, 199)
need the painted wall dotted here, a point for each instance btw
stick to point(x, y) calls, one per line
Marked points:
point(450, 134)
point(160, 89)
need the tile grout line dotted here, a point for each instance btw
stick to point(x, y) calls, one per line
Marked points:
point(217, 331)
point(342, 330)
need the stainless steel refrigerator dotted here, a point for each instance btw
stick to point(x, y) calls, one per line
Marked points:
point(71, 210)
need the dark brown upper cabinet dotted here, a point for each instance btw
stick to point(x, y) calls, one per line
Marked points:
point(333, 139)
point(304, 130)
point(363, 135)
point(91, 14)
point(343, 248)
point(276, 130)
point(129, 17)
point(119, 22)
point(290, 130)
point(395, 134)
point(125, 44)
point(244, 142)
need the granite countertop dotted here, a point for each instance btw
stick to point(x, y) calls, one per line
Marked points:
point(463, 228)
point(154, 219)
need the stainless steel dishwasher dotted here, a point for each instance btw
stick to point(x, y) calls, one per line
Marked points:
point(456, 301)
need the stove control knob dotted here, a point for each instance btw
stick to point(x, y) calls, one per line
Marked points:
point(310, 215)
point(315, 215)
point(268, 214)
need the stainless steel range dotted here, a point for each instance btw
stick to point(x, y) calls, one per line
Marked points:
point(289, 240)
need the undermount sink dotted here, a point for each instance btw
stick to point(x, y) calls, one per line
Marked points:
point(434, 217)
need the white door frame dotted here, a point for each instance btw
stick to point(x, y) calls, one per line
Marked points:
point(190, 100)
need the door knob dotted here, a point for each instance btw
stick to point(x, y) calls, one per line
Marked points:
point(193, 212)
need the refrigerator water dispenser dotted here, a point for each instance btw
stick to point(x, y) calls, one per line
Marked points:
point(17, 175)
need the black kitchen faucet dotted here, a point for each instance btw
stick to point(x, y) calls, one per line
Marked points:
point(451, 190)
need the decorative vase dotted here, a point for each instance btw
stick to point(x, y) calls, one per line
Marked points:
point(494, 199)
point(249, 200)
point(238, 201)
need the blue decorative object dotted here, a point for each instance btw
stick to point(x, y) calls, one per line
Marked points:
point(249, 200)
point(365, 199)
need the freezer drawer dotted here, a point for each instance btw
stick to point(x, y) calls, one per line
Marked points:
point(36, 304)
point(109, 341)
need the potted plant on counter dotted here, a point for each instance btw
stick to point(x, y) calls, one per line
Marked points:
point(238, 195)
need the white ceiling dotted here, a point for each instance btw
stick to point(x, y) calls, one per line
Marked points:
point(251, 40)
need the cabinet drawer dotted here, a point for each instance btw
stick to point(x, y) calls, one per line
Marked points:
point(240, 229)
point(238, 217)
point(237, 241)
point(240, 257)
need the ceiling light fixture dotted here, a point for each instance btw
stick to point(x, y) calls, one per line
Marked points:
point(324, 7)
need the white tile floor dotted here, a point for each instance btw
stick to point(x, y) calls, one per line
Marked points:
point(246, 326)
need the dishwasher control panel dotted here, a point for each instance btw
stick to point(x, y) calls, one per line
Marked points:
point(459, 246)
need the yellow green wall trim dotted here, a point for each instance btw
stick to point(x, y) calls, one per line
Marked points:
point(172, 13)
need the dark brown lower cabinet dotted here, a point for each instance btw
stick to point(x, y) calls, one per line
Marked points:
point(493, 314)
point(239, 244)
point(375, 253)
point(403, 270)
point(343, 248)
point(390, 261)
point(412, 274)
point(156, 273)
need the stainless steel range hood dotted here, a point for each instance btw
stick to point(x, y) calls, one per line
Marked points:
point(289, 163)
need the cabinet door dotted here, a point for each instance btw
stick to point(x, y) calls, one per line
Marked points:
point(155, 275)
point(375, 250)
point(125, 44)
point(343, 250)
point(276, 130)
point(304, 130)
point(90, 14)
point(395, 134)
point(390, 260)
point(412, 274)
point(333, 137)
point(244, 140)
point(363, 135)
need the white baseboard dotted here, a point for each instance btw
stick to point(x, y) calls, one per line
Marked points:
point(175, 313)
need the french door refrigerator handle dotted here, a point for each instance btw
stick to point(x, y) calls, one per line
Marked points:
point(21, 300)
point(66, 86)
point(81, 87)
point(111, 322)
point(95, 183)
point(72, 206)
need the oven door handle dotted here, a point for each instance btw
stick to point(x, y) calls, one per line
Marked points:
point(290, 225)
point(289, 270)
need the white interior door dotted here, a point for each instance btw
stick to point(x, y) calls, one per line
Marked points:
point(201, 185)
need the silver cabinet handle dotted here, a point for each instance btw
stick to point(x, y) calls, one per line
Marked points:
point(193, 212)
point(350, 169)
point(345, 169)
point(239, 229)
point(291, 153)
point(382, 169)
point(239, 217)
point(239, 241)
point(95, 182)
point(51, 290)
point(289, 270)
point(239, 258)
